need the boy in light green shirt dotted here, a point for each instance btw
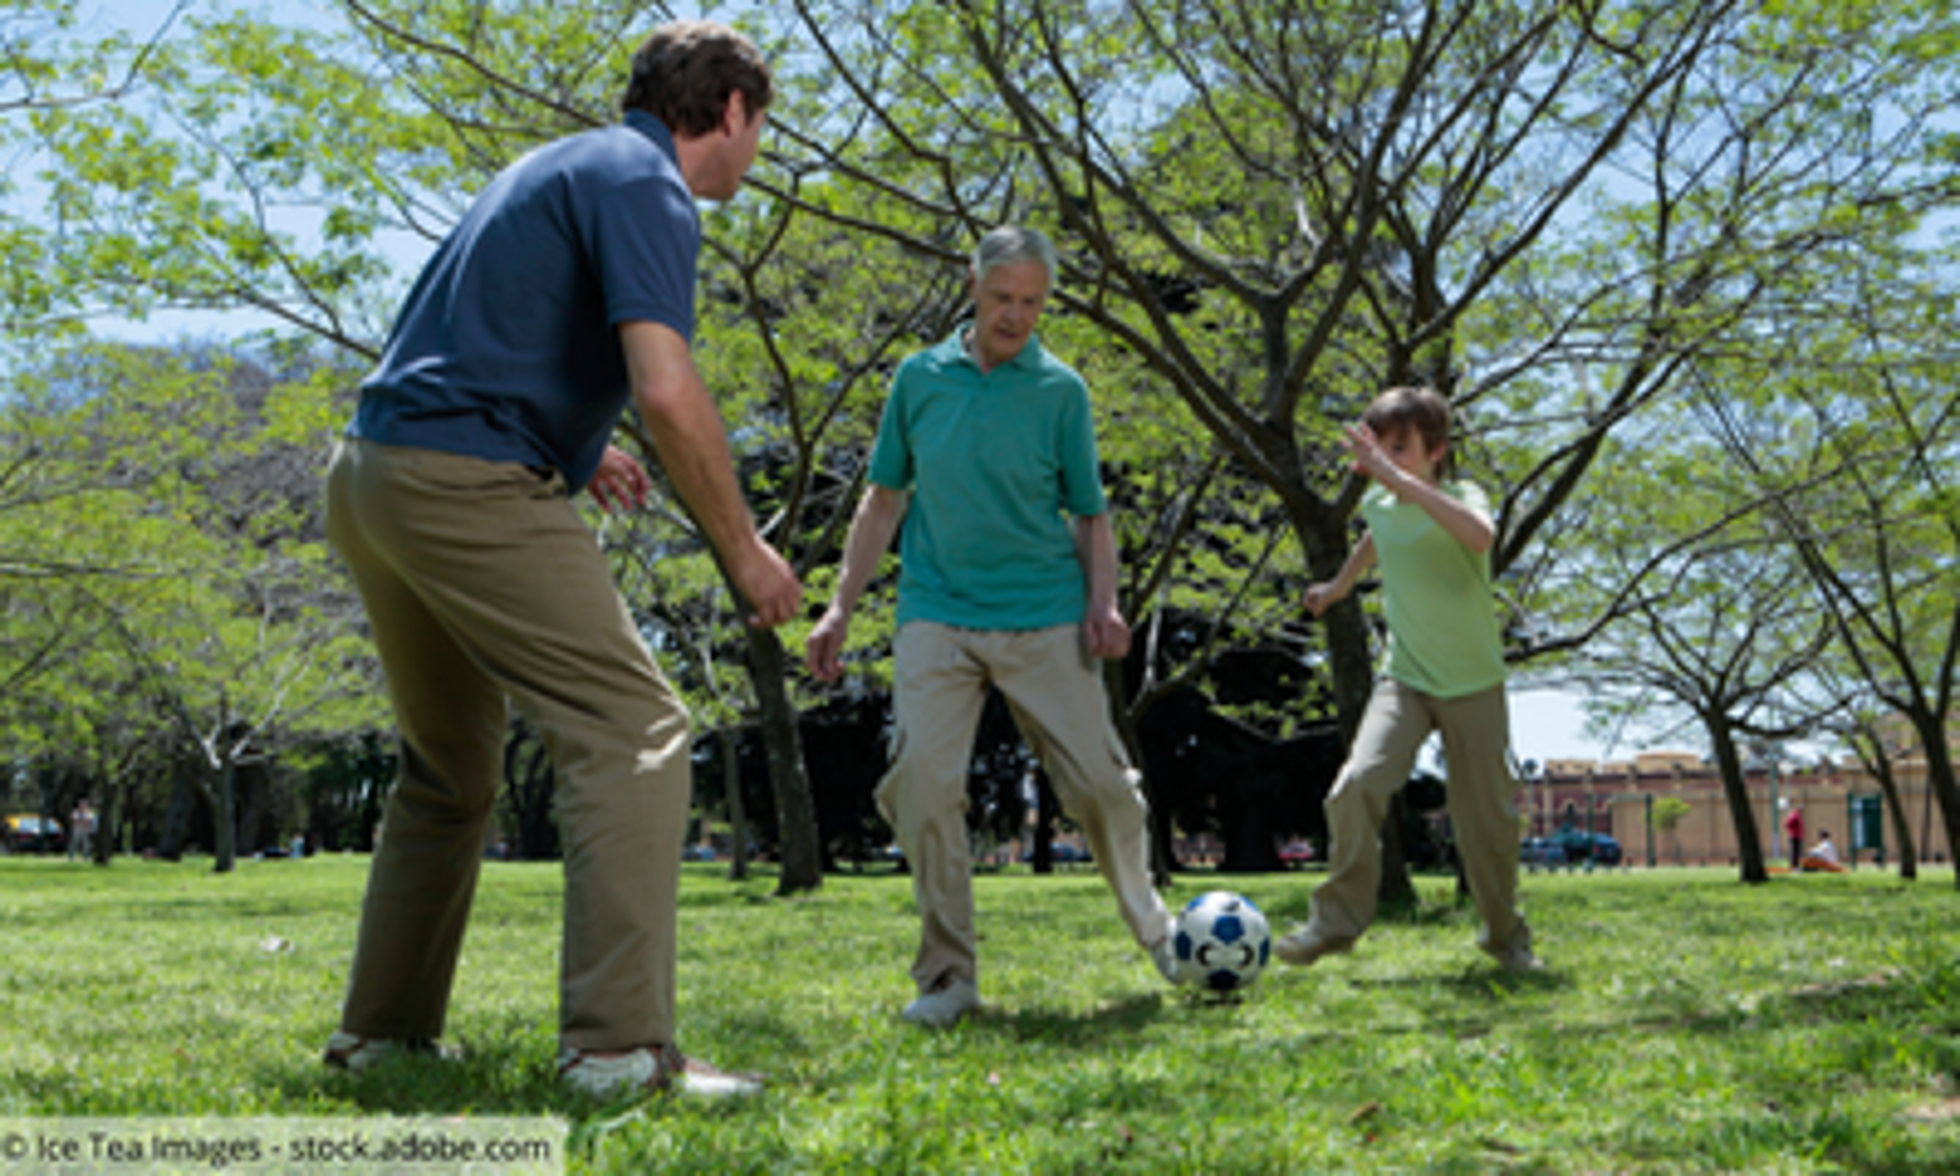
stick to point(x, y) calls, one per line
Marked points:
point(1445, 672)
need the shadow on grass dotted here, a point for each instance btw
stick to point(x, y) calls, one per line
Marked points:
point(498, 1074)
point(1110, 1024)
point(509, 1070)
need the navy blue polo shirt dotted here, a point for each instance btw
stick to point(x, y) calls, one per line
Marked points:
point(507, 347)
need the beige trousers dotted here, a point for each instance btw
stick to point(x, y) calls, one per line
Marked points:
point(1056, 695)
point(1476, 745)
point(481, 583)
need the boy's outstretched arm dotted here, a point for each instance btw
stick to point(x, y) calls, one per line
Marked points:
point(1318, 598)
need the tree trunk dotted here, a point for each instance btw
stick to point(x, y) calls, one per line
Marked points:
point(1880, 766)
point(255, 787)
point(1748, 842)
point(738, 817)
point(223, 817)
point(1940, 779)
point(1163, 857)
point(99, 846)
point(1047, 810)
point(184, 798)
point(530, 780)
point(796, 809)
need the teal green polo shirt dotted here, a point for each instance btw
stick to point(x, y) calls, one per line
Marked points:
point(1443, 636)
point(994, 463)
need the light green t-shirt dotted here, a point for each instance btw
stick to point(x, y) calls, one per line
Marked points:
point(992, 461)
point(1443, 637)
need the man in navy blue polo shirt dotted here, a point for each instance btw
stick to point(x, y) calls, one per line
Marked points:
point(564, 294)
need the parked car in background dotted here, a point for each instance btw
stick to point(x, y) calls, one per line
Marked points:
point(1541, 851)
point(32, 833)
point(1297, 852)
point(1061, 853)
point(1597, 848)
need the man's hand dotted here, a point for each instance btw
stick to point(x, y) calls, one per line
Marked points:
point(767, 582)
point(621, 483)
point(872, 527)
point(1106, 633)
point(693, 448)
point(824, 653)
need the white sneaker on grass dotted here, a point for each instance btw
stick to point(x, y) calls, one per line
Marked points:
point(354, 1053)
point(1519, 960)
point(1163, 953)
point(652, 1069)
point(945, 1005)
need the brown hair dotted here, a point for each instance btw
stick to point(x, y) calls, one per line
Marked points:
point(1419, 408)
point(684, 72)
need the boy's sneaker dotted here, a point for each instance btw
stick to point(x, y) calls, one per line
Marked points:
point(354, 1053)
point(1163, 953)
point(945, 1005)
point(1519, 960)
point(1303, 947)
point(655, 1069)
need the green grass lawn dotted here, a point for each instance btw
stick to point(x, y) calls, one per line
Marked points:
point(1684, 1023)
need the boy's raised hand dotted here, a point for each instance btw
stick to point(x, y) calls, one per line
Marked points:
point(1369, 456)
point(1318, 598)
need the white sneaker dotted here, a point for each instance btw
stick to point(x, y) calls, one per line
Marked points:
point(1519, 959)
point(1163, 953)
point(655, 1069)
point(354, 1053)
point(937, 1010)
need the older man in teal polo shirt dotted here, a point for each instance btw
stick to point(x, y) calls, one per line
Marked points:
point(987, 456)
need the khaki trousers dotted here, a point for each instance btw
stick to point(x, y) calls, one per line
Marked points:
point(1476, 745)
point(481, 583)
point(1056, 695)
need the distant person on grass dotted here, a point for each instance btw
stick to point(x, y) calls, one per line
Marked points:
point(565, 292)
point(986, 441)
point(1445, 672)
point(1793, 831)
point(1824, 855)
point(81, 830)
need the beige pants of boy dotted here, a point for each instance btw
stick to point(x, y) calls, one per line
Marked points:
point(1056, 695)
point(1483, 814)
point(481, 583)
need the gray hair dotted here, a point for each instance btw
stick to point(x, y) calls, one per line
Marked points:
point(1011, 243)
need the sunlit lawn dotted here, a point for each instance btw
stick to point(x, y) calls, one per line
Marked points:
point(1685, 1023)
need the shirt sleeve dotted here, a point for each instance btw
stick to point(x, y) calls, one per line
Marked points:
point(891, 453)
point(645, 237)
point(1082, 489)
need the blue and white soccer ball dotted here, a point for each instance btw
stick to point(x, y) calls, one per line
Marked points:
point(1222, 942)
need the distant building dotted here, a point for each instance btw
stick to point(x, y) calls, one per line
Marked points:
point(1616, 797)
